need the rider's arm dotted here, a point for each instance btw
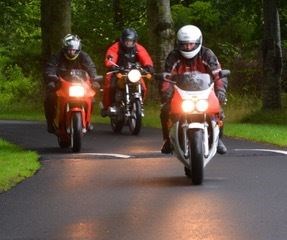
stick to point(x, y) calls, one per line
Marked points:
point(112, 55)
point(213, 64)
point(88, 65)
point(51, 67)
point(144, 58)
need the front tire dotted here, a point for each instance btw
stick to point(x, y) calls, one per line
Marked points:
point(64, 142)
point(76, 132)
point(135, 120)
point(117, 124)
point(196, 155)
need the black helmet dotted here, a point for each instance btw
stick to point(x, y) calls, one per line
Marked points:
point(72, 46)
point(129, 37)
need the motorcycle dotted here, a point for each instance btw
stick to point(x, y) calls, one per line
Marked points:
point(195, 118)
point(75, 96)
point(128, 108)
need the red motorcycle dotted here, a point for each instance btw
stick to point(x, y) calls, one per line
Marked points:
point(75, 96)
point(195, 121)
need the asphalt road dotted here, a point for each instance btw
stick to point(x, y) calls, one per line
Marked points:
point(121, 188)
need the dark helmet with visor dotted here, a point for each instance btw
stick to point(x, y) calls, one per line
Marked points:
point(129, 38)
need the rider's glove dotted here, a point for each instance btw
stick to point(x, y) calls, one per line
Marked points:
point(149, 69)
point(96, 85)
point(53, 78)
point(51, 85)
point(165, 86)
point(166, 91)
point(114, 68)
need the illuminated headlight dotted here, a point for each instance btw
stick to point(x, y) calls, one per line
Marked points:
point(134, 75)
point(202, 105)
point(76, 91)
point(187, 106)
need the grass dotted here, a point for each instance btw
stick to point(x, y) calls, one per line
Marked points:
point(265, 133)
point(16, 164)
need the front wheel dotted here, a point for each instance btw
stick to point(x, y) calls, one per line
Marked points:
point(117, 124)
point(64, 142)
point(196, 156)
point(135, 119)
point(76, 132)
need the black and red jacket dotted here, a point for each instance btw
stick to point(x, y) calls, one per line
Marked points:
point(205, 62)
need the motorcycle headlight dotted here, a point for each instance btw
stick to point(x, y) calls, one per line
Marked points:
point(134, 75)
point(187, 106)
point(202, 105)
point(76, 91)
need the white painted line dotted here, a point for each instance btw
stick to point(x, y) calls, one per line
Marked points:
point(104, 154)
point(264, 150)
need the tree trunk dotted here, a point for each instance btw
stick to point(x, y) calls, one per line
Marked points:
point(272, 57)
point(161, 33)
point(55, 24)
point(118, 14)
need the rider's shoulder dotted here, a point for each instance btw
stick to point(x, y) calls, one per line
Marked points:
point(207, 52)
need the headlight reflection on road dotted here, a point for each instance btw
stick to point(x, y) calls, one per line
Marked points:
point(84, 229)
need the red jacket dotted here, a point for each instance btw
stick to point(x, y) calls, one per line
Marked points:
point(117, 55)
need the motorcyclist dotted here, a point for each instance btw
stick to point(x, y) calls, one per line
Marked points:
point(69, 57)
point(122, 53)
point(190, 55)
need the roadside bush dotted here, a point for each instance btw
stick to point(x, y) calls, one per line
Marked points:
point(16, 88)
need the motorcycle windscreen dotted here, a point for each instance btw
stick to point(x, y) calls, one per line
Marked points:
point(193, 81)
point(74, 75)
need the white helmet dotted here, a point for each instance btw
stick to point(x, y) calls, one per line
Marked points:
point(189, 34)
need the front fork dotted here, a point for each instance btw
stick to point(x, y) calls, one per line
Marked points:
point(194, 125)
point(69, 117)
point(136, 95)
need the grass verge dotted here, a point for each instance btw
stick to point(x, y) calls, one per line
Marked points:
point(16, 164)
point(264, 133)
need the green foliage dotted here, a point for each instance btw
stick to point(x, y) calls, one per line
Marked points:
point(199, 13)
point(15, 87)
point(20, 21)
point(20, 51)
point(96, 25)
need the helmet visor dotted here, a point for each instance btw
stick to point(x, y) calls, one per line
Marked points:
point(72, 52)
point(129, 43)
point(188, 46)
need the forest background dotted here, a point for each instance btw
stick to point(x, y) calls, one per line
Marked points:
point(232, 29)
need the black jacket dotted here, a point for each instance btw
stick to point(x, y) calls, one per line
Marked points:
point(59, 63)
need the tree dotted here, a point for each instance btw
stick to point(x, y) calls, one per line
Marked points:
point(272, 56)
point(55, 24)
point(118, 14)
point(161, 31)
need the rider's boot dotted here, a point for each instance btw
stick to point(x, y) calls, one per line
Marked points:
point(50, 126)
point(166, 147)
point(221, 149)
